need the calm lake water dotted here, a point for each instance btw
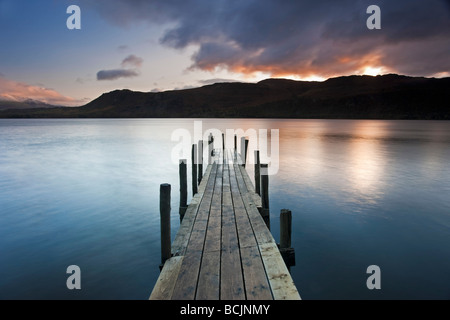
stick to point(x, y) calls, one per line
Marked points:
point(86, 193)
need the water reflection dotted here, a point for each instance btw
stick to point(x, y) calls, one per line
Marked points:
point(366, 161)
point(336, 157)
point(362, 192)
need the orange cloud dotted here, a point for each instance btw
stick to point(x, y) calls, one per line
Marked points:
point(19, 91)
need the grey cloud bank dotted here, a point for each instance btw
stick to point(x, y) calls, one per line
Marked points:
point(324, 38)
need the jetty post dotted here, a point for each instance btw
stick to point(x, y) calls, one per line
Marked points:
point(265, 213)
point(210, 148)
point(257, 173)
point(286, 250)
point(200, 160)
point(285, 228)
point(164, 211)
point(194, 169)
point(244, 147)
point(183, 188)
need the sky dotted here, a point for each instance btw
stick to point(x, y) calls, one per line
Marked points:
point(160, 45)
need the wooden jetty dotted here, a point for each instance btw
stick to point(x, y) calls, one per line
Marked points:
point(224, 249)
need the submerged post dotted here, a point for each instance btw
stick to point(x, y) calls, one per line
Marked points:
point(164, 210)
point(287, 252)
point(257, 173)
point(285, 228)
point(265, 194)
point(183, 188)
point(194, 169)
point(200, 161)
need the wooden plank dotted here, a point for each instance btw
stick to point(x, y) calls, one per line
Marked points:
point(281, 283)
point(231, 282)
point(245, 231)
point(260, 230)
point(179, 245)
point(209, 278)
point(255, 280)
point(186, 284)
point(213, 233)
point(202, 186)
point(213, 236)
point(198, 233)
point(165, 284)
point(250, 188)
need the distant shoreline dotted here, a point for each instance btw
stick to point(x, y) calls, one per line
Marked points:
point(387, 97)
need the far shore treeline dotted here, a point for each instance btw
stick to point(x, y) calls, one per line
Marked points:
point(350, 97)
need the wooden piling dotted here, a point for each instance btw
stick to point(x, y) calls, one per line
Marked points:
point(265, 213)
point(257, 173)
point(200, 160)
point(183, 188)
point(223, 141)
point(194, 169)
point(210, 148)
point(246, 151)
point(244, 147)
point(164, 210)
point(287, 252)
point(285, 228)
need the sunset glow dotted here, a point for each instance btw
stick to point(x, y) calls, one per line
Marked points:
point(373, 71)
point(163, 45)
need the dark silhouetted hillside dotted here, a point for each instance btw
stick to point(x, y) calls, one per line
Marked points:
point(352, 97)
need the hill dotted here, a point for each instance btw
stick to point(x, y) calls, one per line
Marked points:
point(27, 104)
point(351, 97)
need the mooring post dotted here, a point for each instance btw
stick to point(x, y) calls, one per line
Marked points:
point(223, 141)
point(285, 228)
point(245, 151)
point(164, 210)
point(235, 142)
point(183, 188)
point(257, 173)
point(210, 148)
point(194, 169)
point(200, 161)
point(287, 252)
point(244, 146)
point(265, 194)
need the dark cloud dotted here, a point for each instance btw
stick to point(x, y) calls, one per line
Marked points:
point(116, 74)
point(215, 80)
point(129, 61)
point(133, 61)
point(324, 38)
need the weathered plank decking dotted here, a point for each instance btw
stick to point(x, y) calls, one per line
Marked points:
point(223, 249)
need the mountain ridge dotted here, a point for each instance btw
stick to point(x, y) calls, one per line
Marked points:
point(25, 104)
point(388, 96)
